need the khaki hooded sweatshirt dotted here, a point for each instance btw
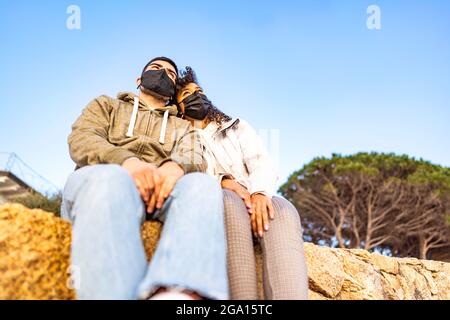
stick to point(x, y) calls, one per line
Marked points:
point(113, 130)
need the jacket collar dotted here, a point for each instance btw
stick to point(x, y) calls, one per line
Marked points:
point(227, 125)
point(129, 98)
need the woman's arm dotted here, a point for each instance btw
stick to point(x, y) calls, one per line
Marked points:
point(262, 173)
point(262, 177)
point(240, 190)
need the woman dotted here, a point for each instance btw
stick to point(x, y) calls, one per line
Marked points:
point(239, 160)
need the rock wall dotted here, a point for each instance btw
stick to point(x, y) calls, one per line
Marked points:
point(35, 252)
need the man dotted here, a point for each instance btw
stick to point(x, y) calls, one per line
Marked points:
point(134, 159)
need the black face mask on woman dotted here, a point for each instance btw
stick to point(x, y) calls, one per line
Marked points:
point(159, 82)
point(196, 106)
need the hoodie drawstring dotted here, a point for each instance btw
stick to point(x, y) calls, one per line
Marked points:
point(162, 134)
point(133, 118)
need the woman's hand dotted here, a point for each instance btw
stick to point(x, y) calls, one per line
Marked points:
point(262, 210)
point(241, 191)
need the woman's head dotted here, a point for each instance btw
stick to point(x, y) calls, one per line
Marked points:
point(193, 102)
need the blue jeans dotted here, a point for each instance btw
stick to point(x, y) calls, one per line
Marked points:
point(108, 257)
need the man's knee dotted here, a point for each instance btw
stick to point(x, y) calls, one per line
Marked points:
point(108, 174)
point(105, 190)
point(97, 183)
point(199, 185)
point(99, 173)
point(104, 180)
point(201, 195)
point(111, 183)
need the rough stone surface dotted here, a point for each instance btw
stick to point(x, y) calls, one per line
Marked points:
point(35, 250)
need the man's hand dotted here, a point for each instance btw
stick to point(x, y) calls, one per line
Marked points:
point(262, 210)
point(169, 173)
point(240, 190)
point(145, 176)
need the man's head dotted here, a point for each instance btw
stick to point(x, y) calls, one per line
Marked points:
point(159, 78)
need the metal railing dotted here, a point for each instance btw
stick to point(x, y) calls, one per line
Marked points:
point(11, 162)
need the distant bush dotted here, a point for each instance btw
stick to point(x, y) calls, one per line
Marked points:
point(38, 201)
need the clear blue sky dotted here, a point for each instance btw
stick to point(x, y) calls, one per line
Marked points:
point(311, 69)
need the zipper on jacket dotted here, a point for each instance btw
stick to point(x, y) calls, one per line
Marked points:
point(150, 119)
point(141, 147)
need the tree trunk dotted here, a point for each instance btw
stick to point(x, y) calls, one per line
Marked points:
point(423, 248)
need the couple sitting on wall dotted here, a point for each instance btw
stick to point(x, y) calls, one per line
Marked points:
point(169, 154)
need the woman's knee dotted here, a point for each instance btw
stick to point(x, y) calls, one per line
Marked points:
point(285, 212)
point(236, 214)
point(232, 199)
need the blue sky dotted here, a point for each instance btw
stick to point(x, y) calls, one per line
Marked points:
point(310, 69)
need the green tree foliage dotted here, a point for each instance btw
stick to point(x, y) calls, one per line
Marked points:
point(38, 201)
point(374, 201)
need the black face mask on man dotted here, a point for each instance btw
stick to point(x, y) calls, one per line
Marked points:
point(196, 106)
point(158, 82)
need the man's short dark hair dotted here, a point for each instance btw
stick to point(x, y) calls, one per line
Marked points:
point(162, 59)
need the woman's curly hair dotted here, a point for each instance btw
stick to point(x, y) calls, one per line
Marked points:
point(214, 114)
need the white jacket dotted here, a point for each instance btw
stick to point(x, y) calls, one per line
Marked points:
point(235, 149)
